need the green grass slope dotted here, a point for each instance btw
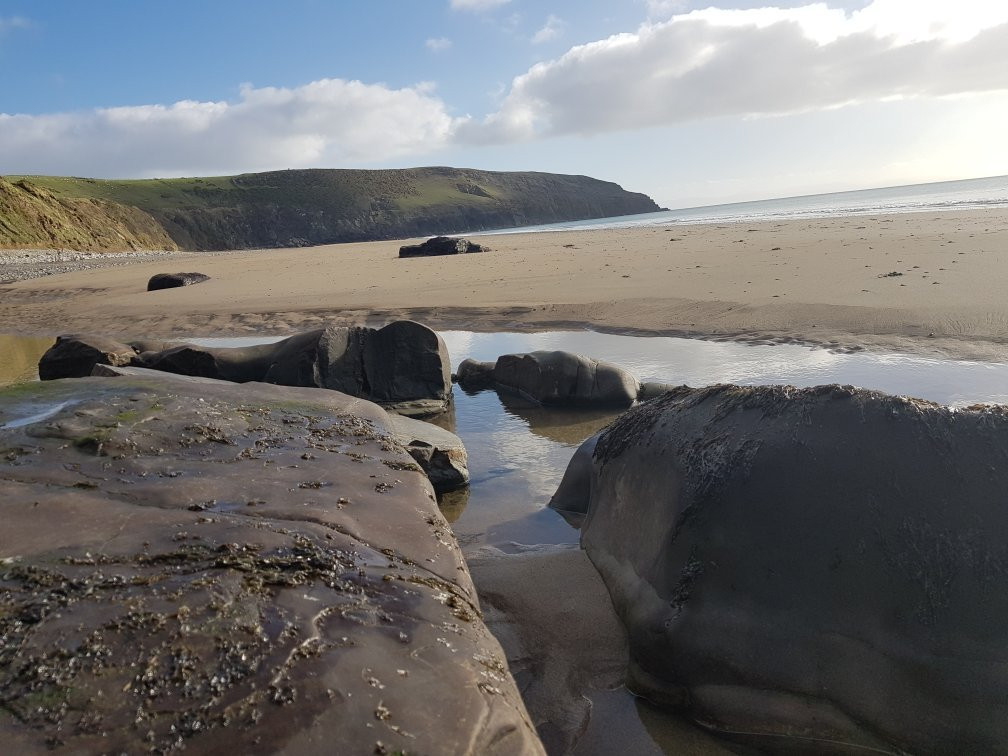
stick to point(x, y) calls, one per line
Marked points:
point(32, 216)
point(302, 207)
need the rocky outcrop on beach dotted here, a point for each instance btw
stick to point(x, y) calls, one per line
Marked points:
point(404, 365)
point(174, 280)
point(818, 565)
point(187, 563)
point(441, 245)
point(553, 378)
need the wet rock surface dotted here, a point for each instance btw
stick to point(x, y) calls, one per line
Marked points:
point(175, 280)
point(441, 245)
point(189, 564)
point(810, 565)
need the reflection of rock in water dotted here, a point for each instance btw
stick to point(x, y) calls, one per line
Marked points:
point(565, 426)
point(19, 356)
point(453, 503)
point(623, 723)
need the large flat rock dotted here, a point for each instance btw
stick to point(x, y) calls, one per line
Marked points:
point(185, 563)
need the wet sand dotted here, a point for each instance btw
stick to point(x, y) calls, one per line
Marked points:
point(821, 281)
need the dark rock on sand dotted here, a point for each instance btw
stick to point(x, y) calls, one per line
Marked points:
point(174, 280)
point(75, 355)
point(188, 564)
point(563, 378)
point(825, 565)
point(441, 245)
point(439, 452)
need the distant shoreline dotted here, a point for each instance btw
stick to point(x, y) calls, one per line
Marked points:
point(988, 193)
point(821, 281)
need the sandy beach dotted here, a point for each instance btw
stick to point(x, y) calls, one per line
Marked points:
point(823, 281)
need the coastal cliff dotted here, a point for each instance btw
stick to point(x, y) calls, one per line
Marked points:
point(297, 207)
point(31, 216)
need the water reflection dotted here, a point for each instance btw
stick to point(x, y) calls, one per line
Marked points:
point(19, 356)
point(701, 363)
point(518, 452)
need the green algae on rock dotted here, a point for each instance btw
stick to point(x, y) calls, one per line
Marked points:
point(172, 577)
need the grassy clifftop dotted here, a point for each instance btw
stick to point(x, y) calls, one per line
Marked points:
point(302, 207)
point(34, 217)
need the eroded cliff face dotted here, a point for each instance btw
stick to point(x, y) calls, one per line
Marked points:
point(307, 207)
point(34, 217)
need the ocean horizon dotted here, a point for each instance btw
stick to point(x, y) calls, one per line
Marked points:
point(939, 196)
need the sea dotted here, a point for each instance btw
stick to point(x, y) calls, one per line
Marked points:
point(967, 194)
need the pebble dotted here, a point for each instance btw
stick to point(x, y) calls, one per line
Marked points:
point(25, 264)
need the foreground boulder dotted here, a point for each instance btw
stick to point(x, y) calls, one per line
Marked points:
point(441, 245)
point(822, 564)
point(75, 355)
point(188, 564)
point(404, 365)
point(174, 280)
point(563, 378)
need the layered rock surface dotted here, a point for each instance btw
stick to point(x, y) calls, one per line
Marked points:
point(186, 563)
point(819, 566)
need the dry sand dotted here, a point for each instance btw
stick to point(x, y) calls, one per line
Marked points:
point(816, 280)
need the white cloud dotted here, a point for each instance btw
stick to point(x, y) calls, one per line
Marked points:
point(663, 8)
point(330, 122)
point(477, 5)
point(550, 30)
point(13, 22)
point(438, 44)
point(765, 61)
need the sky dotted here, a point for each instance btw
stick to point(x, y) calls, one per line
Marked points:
point(693, 103)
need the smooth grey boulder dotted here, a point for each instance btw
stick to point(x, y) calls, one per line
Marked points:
point(341, 359)
point(652, 389)
point(822, 566)
point(564, 378)
point(439, 452)
point(174, 280)
point(574, 491)
point(237, 364)
point(473, 375)
point(441, 245)
point(406, 361)
point(75, 355)
point(188, 564)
